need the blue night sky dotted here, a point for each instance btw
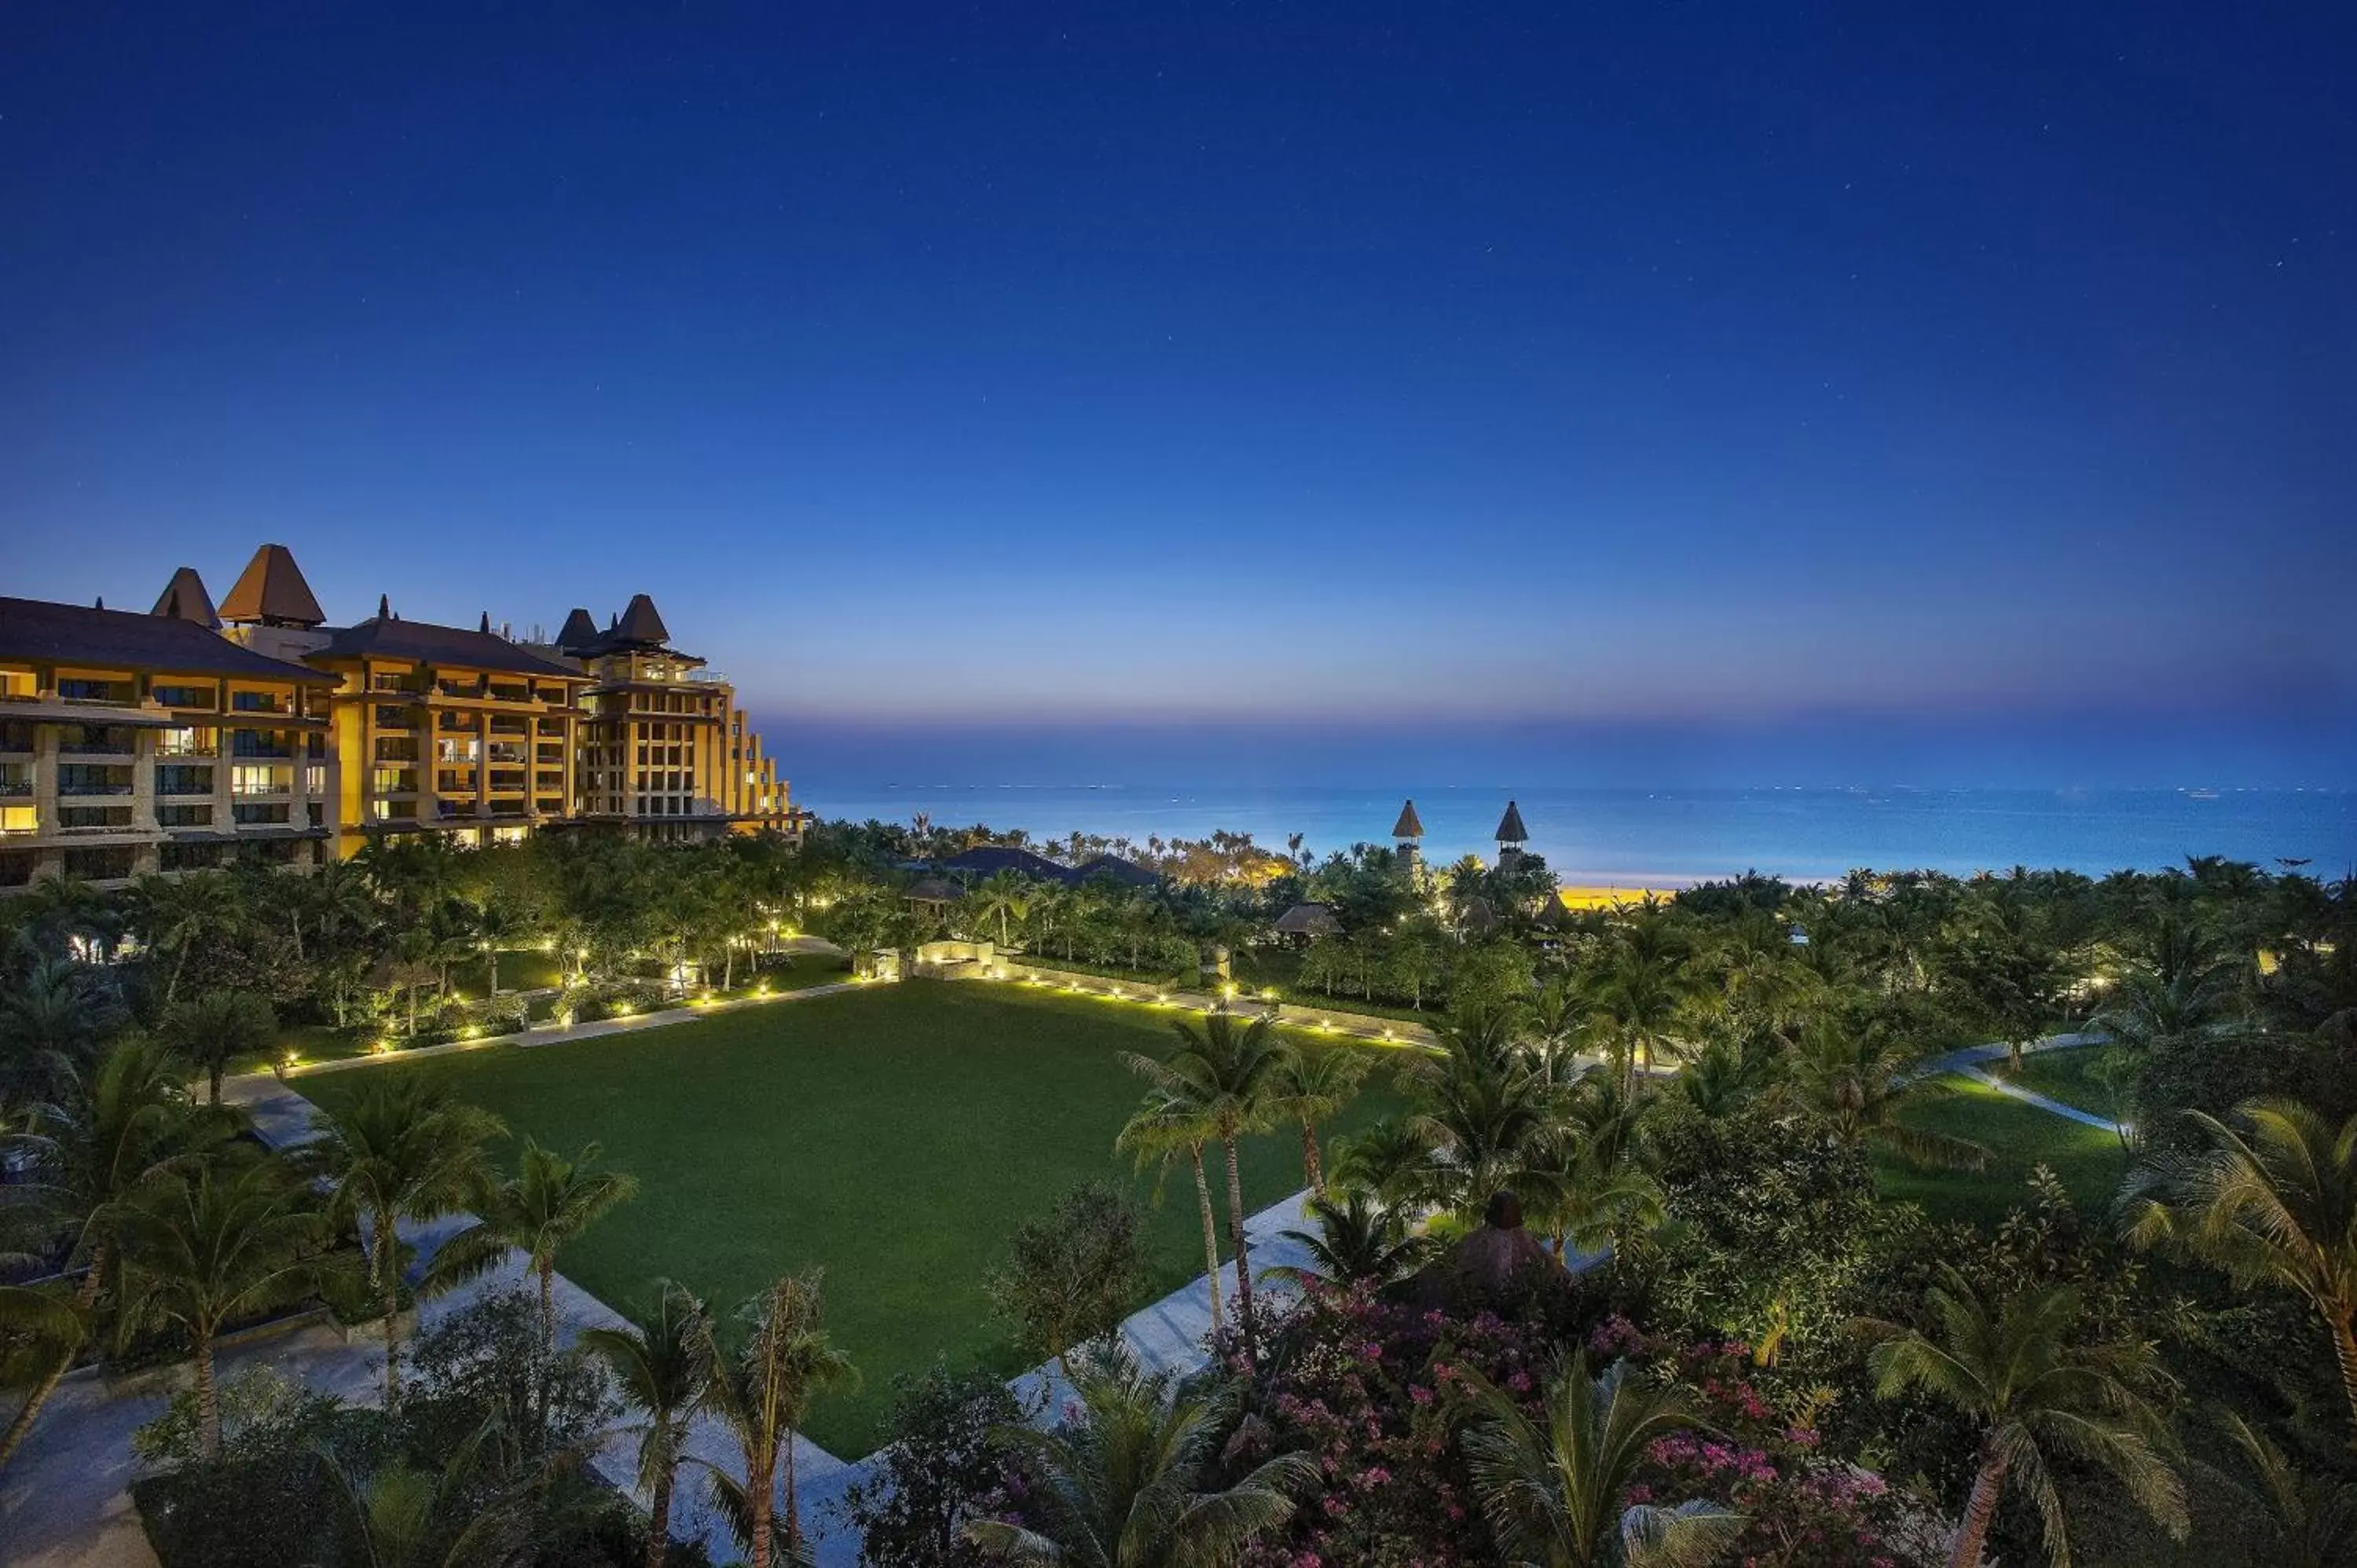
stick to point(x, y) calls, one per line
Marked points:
point(1866, 390)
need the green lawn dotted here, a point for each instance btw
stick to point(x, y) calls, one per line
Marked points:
point(2072, 1076)
point(896, 1135)
point(2018, 1137)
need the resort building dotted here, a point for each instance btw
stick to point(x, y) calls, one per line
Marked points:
point(666, 753)
point(132, 743)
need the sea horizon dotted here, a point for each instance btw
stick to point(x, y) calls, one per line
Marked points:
point(1673, 837)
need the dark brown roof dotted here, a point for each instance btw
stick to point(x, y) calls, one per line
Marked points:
point(639, 623)
point(933, 890)
point(381, 637)
point(1410, 825)
point(183, 598)
point(71, 634)
point(1307, 920)
point(1510, 826)
point(579, 633)
point(272, 590)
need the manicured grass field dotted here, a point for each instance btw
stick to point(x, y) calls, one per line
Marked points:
point(896, 1134)
point(2072, 1076)
point(2018, 1137)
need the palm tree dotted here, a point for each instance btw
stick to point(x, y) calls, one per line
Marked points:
point(1359, 1241)
point(217, 1028)
point(1858, 1080)
point(1638, 1002)
point(1486, 1112)
point(1122, 1486)
point(2310, 1521)
point(108, 1139)
point(759, 1396)
point(403, 1149)
point(660, 1362)
point(2273, 1204)
point(203, 1249)
point(180, 914)
point(2012, 1367)
point(1314, 1083)
point(1226, 1074)
point(1388, 1161)
point(544, 1207)
point(1555, 1489)
point(52, 1015)
point(1162, 1126)
point(462, 1516)
point(1002, 896)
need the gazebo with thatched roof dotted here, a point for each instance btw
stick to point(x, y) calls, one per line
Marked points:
point(1511, 836)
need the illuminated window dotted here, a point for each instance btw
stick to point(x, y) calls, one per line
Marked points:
point(19, 818)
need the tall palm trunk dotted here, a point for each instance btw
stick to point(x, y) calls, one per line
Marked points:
point(386, 1266)
point(1210, 1234)
point(1244, 1261)
point(208, 1417)
point(659, 1518)
point(2344, 1351)
point(762, 1503)
point(547, 1271)
point(1973, 1534)
point(1313, 1168)
point(85, 1297)
point(493, 954)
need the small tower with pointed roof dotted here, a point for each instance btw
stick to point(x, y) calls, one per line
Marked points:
point(183, 598)
point(271, 608)
point(1407, 831)
point(1511, 836)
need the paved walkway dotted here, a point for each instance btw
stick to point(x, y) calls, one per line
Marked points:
point(1967, 1063)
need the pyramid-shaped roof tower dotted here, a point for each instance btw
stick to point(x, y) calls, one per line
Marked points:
point(578, 634)
point(1510, 826)
point(271, 590)
point(639, 623)
point(183, 598)
point(1410, 825)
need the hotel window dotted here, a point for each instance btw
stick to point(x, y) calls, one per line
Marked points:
point(184, 781)
point(315, 779)
point(185, 743)
point(257, 701)
point(257, 781)
point(185, 696)
point(184, 816)
point(19, 818)
point(260, 816)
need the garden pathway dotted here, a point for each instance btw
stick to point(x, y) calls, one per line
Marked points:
point(1967, 1063)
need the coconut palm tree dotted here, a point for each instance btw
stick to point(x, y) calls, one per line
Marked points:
point(1859, 1079)
point(1314, 1083)
point(205, 1248)
point(1124, 1485)
point(1227, 1073)
point(1160, 1129)
point(1002, 896)
point(215, 1029)
point(662, 1364)
point(181, 915)
point(462, 1516)
point(1486, 1111)
point(111, 1137)
point(403, 1149)
point(2272, 1202)
point(1388, 1161)
point(2308, 1521)
point(1638, 1001)
point(2011, 1365)
point(1359, 1241)
point(760, 1395)
point(544, 1207)
point(52, 1014)
point(1555, 1489)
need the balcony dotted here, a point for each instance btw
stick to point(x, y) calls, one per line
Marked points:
point(260, 751)
point(89, 740)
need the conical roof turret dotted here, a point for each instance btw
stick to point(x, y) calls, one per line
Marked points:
point(1510, 826)
point(639, 623)
point(183, 598)
point(271, 592)
point(1410, 825)
point(578, 634)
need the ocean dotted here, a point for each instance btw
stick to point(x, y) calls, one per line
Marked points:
point(1666, 838)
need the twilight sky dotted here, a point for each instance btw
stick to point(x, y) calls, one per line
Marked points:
point(1895, 391)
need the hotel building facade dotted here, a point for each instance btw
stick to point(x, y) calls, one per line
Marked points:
point(135, 744)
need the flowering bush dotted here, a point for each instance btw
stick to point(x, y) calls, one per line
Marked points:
point(1372, 1390)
